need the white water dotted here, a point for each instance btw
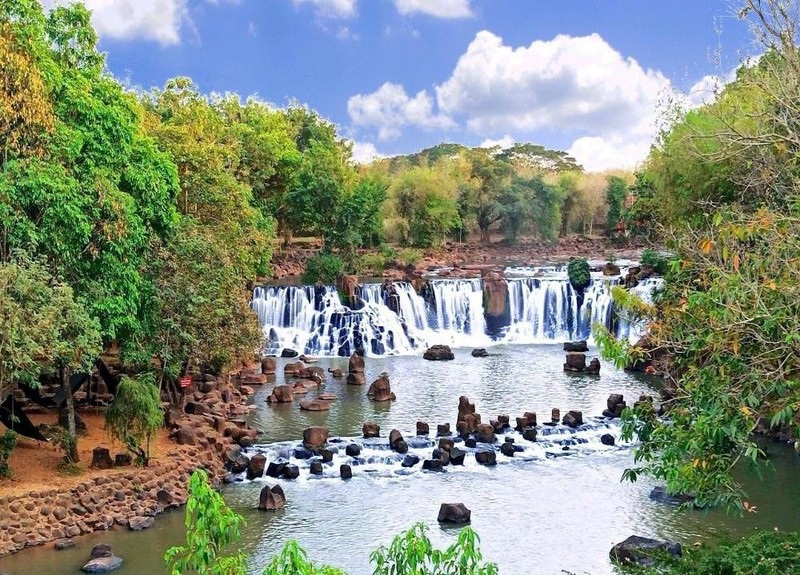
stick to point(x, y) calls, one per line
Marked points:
point(545, 309)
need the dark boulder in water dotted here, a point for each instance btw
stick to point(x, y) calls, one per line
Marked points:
point(370, 429)
point(410, 460)
point(480, 352)
point(607, 439)
point(432, 465)
point(486, 457)
point(346, 471)
point(457, 456)
point(423, 428)
point(507, 449)
point(291, 472)
point(271, 498)
point(454, 513)
point(353, 450)
point(637, 550)
point(576, 346)
point(661, 495)
point(315, 468)
point(439, 353)
point(287, 352)
point(573, 419)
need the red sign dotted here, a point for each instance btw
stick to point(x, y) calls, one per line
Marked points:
point(185, 381)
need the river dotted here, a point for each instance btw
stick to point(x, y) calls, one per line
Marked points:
point(543, 514)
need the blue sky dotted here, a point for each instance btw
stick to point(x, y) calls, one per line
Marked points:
point(396, 76)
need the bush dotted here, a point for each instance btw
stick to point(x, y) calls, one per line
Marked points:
point(324, 268)
point(657, 261)
point(579, 273)
point(8, 441)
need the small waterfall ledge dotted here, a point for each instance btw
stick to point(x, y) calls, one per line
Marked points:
point(394, 319)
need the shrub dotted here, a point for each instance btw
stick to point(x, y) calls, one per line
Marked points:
point(8, 441)
point(657, 261)
point(323, 267)
point(579, 273)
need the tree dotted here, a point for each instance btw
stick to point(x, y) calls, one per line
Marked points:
point(211, 526)
point(425, 198)
point(135, 414)
point(616, 193)
point(490, 176)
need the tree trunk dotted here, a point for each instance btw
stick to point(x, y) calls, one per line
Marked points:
point(72, 454)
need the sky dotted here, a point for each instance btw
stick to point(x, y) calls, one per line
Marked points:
point(396, 76)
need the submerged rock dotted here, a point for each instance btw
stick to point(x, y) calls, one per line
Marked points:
point(661, 495)
point(640, 550)
point(439, 353)
point(454, 513)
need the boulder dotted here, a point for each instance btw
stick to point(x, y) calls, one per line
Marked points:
point(611, 269)
point(443, 430)
point(573, 419)
point(484, 433)
point(394, 438)
point(353, 450)
point(613, 400)
point(575, 362)
point(607, 439)
point(529, 434)
point(660, 494)
point(275, 468)
point(293, 368)
point(281, 394)
point(480, 352)
point(457, 456)
point(123, 460)
point(356, 364)
point(594, 366)
point(370, 429)
point(438, 353)
point(256, 466)
point(315, 468)
point(336, 373)
point(486, 457)
point(579, 346)
point(139, 523)
point(639, 550)
point(555, 415)
point(315, 437)
point(507, 449)
point(271, 498)
point(185, 436)
point(423, 428)
point(102, 564)
point(446, 444)
point(454, 513)
point(410, 460)
point(291, 471)
point(101, 458)
point(63, 544)
point(314, 405)
point(287, 352)
point(432, 465)
point(380, 390)
point(327, 397)
point(326, 455)
point(346, 471)
point(401, 446)
point(268, 365)
point(356, 379)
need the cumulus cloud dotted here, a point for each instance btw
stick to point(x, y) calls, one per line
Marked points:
point(450, 9)
point(390, 109)
point(331, 8)
point(155, 20)
point(504, 142)
point(365, 152)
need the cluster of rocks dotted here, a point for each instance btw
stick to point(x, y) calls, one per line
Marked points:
point(575, 361)
point(306, 378)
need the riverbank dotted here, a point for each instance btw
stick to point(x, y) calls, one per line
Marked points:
point(39, 505)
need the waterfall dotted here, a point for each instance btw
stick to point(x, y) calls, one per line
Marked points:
point(312, 319)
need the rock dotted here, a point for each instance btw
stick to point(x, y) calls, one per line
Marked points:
point(102, 564)
point(271, 498)
point(507, 449)
point(529, 434)
point(315, 437)
point(314, 405)
point(370, 429)
point(484, 433)
point(661, 495)
point(607, 439)
point(101, 550)
point(294, 368)
point(454, 513)
point(327, 397)
point(575, 362)
point(256, 466)
point(303, 453)
point(555, 415)
point(443, 429)
point(315, 468)
point(486, 457)
point(326, 455)
point(380, 390)
point(63, 544)
point(401, 446)
point(611, 269)
point(287, 352)
point(356, 364)
point(438, 353)
point(185, 436)
point(410, 460)
point(423, 428)
point(470, 442)
point(281, 394)
point(394, 438)
point(122, 460)
point(432, 465)
point(579, 346)
point(594, 366)
point(613, 400)
point(353, 450)
point(446, 444)
point(457, 456)
point(639, 550)
point(101, 458)
point(480, 352)
point(268, 365)
point(275, 468)
point(336, 373)
point(139, 523)
point(291, 471)
point(356, 379)
point(346, 471)
point(573, 419)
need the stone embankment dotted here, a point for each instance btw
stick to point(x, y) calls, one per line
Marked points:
point(128, 497)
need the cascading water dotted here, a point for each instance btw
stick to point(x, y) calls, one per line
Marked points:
point(399, 321)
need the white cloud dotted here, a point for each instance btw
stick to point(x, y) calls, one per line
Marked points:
point(437, 8)
point(365, 152)
point(597, 154)
point(504, 142)
point(389, 109)
point(331, 8)
point(155, 20)
point(252, 30)
point(344, 33)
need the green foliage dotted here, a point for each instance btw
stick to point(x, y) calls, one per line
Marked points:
point(8, 441)
point(412, 553)
point(656, 260)
point(135, 414)
point(579, 273)
point(211, 526)
point(324, 268)
point(425, 199)
point(616, 193)
point(293, 560)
